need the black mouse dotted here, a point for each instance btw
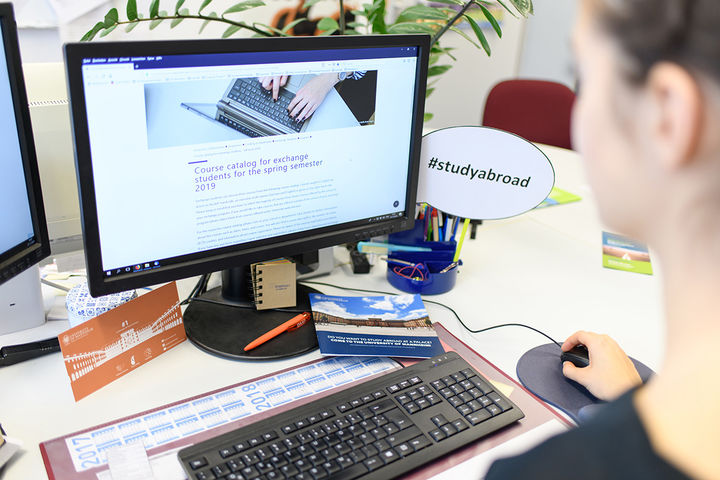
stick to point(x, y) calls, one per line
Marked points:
point(578, 355)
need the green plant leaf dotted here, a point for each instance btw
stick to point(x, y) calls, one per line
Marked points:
point(376, 16)
point(154, 23)
point(351, 31)
point(290, 25)
point(412, 27)
point(427, 117)
point(205, 23)
point(328, 32)
point(131, 10)
point(204, 4)
point(491, 19)
point(131, 26)
point(270, 29)
point(230, 31)
point(525, 7)
point(176, 21)
point(511, 11)
point(429, 92)
point(478, 33)
point(438, 70)
point(309, 3)
point(450, 2)
point(421, 12)
point(244, 5)
point(90, 34)
point(154, 8)
point(178, 5)
point(108, 30)
point(111, 18)
point(327, 23)
point(465, 36)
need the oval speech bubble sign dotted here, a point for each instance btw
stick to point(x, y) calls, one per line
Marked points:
point(482, 173)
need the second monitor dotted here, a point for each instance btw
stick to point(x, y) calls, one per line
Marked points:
point(199, 156)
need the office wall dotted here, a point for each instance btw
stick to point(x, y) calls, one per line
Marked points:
point(546, 51)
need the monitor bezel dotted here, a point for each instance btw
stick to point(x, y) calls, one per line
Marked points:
point(28, 253)
point(228, 257)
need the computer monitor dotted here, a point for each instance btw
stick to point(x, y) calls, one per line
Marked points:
point(188, 165)
point(23, 234)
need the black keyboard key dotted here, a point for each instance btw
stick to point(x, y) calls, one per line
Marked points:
point(318, 473)
point(437, 435)
point(332, 467)
point(389, 456)
point(478, 417)
point(439, 420)
point(198, 463)
point(204, 476)
point(220, 470)
point(420, 442)
point(460, 425)
point(373, 463)
point(494, 410)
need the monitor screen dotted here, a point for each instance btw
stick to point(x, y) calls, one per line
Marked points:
point(196, 156)
point(23, 236)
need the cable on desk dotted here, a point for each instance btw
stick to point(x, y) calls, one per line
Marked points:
point(199, 288)
point(481, 330)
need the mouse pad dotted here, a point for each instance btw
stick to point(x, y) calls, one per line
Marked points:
point(540, 371)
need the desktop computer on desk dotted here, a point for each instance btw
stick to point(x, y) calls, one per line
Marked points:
point(23, 236)
point(185, 170)
point(182, 173)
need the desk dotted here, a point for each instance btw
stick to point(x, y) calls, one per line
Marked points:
point(543, 268)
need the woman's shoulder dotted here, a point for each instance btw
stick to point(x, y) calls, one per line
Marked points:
point(613, 444)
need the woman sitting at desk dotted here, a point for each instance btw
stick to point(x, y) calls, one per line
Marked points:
point(647, 123)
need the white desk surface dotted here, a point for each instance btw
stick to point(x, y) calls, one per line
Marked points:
point(543, 268)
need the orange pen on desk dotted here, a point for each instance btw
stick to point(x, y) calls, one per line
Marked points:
point(292, 324)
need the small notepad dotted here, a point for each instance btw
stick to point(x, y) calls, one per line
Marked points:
point(274, 284)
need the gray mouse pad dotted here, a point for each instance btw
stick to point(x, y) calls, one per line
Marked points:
point(540, 371)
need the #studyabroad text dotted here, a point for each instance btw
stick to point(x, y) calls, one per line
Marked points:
point(472, 173)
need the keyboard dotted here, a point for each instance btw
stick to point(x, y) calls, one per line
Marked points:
point(380, 429)
point(248, 96)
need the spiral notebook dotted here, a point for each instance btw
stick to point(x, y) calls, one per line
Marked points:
point(274, 284)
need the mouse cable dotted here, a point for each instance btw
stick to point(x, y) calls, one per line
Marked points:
point(481, 330)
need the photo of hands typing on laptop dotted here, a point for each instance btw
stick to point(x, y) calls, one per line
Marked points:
point(259, 106)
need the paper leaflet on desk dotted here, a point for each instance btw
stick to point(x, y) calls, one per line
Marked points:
point(622, 253)
point(110, 345)
point(389, 325)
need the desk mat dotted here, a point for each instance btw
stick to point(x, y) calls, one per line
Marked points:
point(82, 455)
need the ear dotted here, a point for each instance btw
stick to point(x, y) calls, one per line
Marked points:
point(678, 113)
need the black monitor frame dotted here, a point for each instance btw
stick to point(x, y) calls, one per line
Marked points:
point(227, 257)
point(28, 253)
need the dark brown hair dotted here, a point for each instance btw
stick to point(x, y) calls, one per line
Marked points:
point(686, 32)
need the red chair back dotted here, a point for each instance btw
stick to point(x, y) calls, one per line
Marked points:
point(537, 110)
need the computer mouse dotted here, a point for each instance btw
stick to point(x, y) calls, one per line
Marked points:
point(578, 355)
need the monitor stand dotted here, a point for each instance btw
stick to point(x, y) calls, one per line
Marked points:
point(21, 302)
point(224, 320)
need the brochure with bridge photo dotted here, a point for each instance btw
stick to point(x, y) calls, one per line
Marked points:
point(387, 326)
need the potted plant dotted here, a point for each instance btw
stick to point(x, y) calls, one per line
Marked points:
point(436, 18)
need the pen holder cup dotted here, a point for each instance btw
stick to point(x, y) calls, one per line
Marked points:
point(439, 258)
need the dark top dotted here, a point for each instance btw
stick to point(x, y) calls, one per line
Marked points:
point(611, 445)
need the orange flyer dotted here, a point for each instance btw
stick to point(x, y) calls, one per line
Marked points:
point(110, 345)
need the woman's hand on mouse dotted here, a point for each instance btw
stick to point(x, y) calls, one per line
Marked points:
point(610, 372)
